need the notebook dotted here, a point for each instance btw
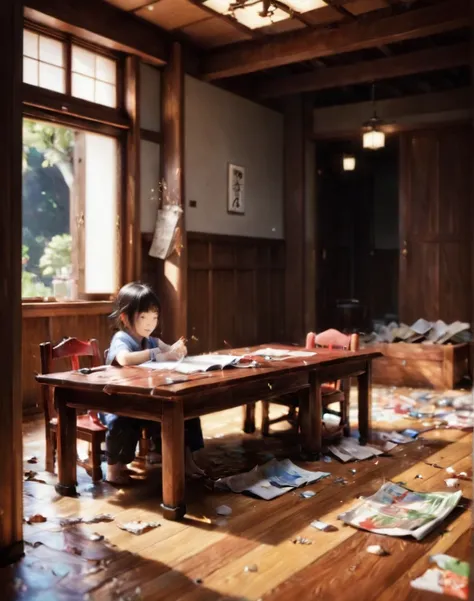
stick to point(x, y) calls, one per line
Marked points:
point(199, 363)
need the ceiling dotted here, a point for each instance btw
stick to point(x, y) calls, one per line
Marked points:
point(215, 36)
point(207, 29)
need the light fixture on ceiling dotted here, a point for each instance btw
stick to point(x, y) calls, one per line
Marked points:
point(348, 162)
point(373, 138)
point(261, 13)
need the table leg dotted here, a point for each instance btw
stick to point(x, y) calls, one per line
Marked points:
point(249, 418)
point(311, 418)
point(365, 404)
point(67, 445)
point(172, 439)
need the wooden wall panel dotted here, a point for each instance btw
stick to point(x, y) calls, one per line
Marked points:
point(236, 293)
point(37, 329)
point(435, 221)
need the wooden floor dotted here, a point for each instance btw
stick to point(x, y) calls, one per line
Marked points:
point(250, 555)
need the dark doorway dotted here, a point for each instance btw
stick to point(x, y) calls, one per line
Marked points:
point(357, 225)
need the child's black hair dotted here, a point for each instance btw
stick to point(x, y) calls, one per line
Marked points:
point(134, 298)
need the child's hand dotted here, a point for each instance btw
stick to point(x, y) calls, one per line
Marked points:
point(179, 349)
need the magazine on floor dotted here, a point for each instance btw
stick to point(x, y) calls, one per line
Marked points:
point(271, 480)
point(396, 511)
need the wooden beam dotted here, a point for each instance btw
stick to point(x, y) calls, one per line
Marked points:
point(11, 449)
point(131, 240)
point(294, 216)
point(249, 57)
point(101, 23)
point(173, 290)
point(400, 113)
point(421, 61)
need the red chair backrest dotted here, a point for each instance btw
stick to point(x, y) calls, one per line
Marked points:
point(70, 349)
point(333, 339)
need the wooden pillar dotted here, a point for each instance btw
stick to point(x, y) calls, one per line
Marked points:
point(299, 233)
point(173, 288)
point(11, 27)
point(132, 236)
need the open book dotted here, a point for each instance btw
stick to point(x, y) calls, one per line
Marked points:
point(199, 363)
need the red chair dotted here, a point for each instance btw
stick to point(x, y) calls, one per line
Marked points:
point(335, 392)
point(92, 432)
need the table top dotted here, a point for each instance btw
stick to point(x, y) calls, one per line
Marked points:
point(142, 381)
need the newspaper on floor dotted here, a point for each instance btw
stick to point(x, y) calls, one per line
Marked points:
point(271, 480)
point(450, 577)
point(396, 511)
point(348, 449)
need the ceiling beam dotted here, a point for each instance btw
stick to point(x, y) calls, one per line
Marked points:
point(439, 107)
point(421, 61)
point(102, 24)
point(249, 57)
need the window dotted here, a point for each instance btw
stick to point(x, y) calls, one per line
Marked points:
point(91, 75)
point(43, 61)
point(94, 77)
point(70, 212)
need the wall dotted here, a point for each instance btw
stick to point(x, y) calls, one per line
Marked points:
point(435, 224)
point(222, 128)
point(150, 120)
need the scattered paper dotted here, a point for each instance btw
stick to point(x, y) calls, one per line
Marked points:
point(165, 231)
point(271, 480)
point(96, 519)
point(450, 577)
point(349, 449)
point(396, 511)
point(138, 527)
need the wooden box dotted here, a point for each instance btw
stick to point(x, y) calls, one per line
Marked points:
point(422, 365)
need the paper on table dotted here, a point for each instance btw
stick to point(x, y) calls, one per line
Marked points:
point(274, 352)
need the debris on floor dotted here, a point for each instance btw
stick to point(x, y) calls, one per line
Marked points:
point(301, 540)
point(96, 519)
point(307, 494)
point(377, 550)
point(36, 519)
point(452, 482)
point(323, 526)
point(224, 510)
point(348, 449)
point(396, 511)
point(138, 527)
point(271, 480)
point(450, 577)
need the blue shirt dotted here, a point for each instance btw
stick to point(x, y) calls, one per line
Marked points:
point(123, 341)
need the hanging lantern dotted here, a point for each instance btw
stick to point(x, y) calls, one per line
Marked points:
point(373, 139)
point(348, 162)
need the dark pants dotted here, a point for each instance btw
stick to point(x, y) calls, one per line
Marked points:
point(123, 434)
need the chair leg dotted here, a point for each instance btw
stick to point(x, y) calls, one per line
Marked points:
point(143, 445)
point(50, 451)
point(345, 408)
point(249, 418)
point(265, 418)
point(96, 461)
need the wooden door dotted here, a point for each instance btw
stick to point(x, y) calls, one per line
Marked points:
point(435, 198)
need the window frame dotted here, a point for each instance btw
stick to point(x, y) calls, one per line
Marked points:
point(64, 109)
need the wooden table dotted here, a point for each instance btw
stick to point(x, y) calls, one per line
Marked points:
point(145, 394)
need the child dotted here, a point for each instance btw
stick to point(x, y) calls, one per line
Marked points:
point(137, 312)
